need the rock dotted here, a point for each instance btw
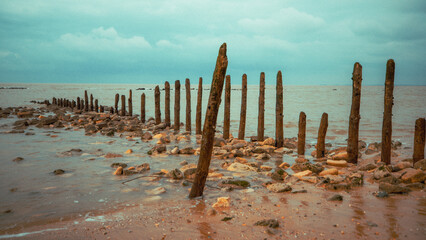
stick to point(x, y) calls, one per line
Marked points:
point(189, 170)
point(336, 197)
point(219, 142)
point(215, 175)
point(416, 185)
point(187, 150)
point(146, 136)
point(299, 191)
point(301, 160)
point(259, 150)
point(311, 179)
point(175, 151)
point(390, 179)
point(335, 179)
point(370, 151)
point(129, 151)
point(278, 187)
point(303, 174)
point(421, 164)
point(330, 171)
point(18, 159)
point(240, 160)
point(413, 175)
point(157, 149)
point(401, 165)
point(272, 223)
point(340, 156)
point(156, 191)
point(381, 194)
point(367, 167)
point(238, 167)
point(188, 166)
point(269, 141)
point(143, 167)
point(119, 171)
point(158, 136)
point(390, 188)
point(183, 163)
point(211, 212)
point(175, 174)
point(283, 150)
point(235, 183)
point(284, 165)
point(279, 174)
point(356, 179)
point(263, 156)
point(381, 172)
point(113, 155)
point(117, 164)
point(222, 202)
point(337, 163)
point(58, 172)
point(48, 120)
point(265, 168)
point(26, 114)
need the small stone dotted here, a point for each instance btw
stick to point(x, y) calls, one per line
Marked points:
point(222, 202)
point(263, 156)
point(303, 174)
point(284, 165)
point(240, 160)
point(58, 172)
point(330, 171)
point(211, 212)
point(265, 168)
point(272, 223)
point(337, 163)
point(156, 191)
point(18, 159)
point(367, 167)
point(175, 174)
point(119, 171)
point(129, 151)
point(299, 191)
point(175, 150)
point(381, 172)
point(340, 156)
point(381, 194)
point(390, 188)
point(183, 163)
point(301, 160)
point(336, 197)
point(238, 167)
point(117, 164)
point(269, 141)
point(113, 155)
point(278, 187)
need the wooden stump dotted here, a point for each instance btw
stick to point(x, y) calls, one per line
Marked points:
point(167, 103)
point(78, 103)
point(199, 106)
point(130, 103)
point(322, 131)
point(177, 106)
point(117, 98)
point(354, 118)
point(279, 108)
point(101, 109)
point(143, 108)
point(82, 104)
point(188, 105)
point(261, 117)
point(123, 105)
point(96, 105)
point(227, 116)
point(86, 101)
point(301, 136)
point(210, 124)
point(157, 105)
point(242, 128)
point(419, 140)
point(387, 113)
point(91, 103)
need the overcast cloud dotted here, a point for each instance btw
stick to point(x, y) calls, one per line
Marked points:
point(312, 42)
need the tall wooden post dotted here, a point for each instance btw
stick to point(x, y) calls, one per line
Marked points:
point(78, 103)
point(227, 116)
point(279, 108)
point(188, 105)
point(261, 118)
point(96, 105)
point(117, 98)
point(157, 105)
point(387, 114)
point(101, 109)
point(210, 124)
point(301, 136)
point(167, 103)
point(91, 102)
point(82, 104)
point(123, 105)
point(242, 128)
point(354, 118)
point(143, 108)
point(86, 101)
point(322, 131)
point(199, 104)
point(177, 105)
point(130, 103)
point(419, 140)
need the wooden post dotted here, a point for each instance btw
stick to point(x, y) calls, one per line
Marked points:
point(354, 118)
point(199, 105)
point(130, 103)
point(419, 140)
point(82, 104)
point(96, 105)
point(74, 104)
point(242, 128)
point(143, 108)
point(86, 101)
point(301, 136)
point(279, 108)
point(210, 124)
point(387, 114)
point(177, 105)
point(123, 105)
point(261, 118)
point(91, 102)
point(322, 131)
point(101, 109)
point(227, 116)
point(167, 103)
point(157, 105)
point(78, 103)
point(117, 98)
point(188, 105)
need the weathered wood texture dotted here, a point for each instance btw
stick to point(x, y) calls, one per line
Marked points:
point(354, 118)
point(322, 131)
point(261, 117)
point(279, 108)
point(419, 140)
point(199, 107)
point(188, 105)
point(157, 105)
point(86, 101)
point(91, 102)
point(78, 103)
point(387, 113)
point(143, 107)
point(301, 136)
point(130, 103)
point(96, 105)
point(227, 112)
point(177, 106)
point(243, 113)
point(123, 105)
point(117, 98)
point(167, 103)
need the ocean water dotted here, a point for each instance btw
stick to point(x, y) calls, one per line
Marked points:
point(89, 187)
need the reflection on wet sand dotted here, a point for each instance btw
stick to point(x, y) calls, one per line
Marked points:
point(392, 222)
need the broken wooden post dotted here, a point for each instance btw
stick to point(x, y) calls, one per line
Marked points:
point(210, 124)
point(96, 105)
point(199, 103)
point(167, 103)
point(279, 108)
point(188, 105)
point(78, 103)
point(82, 104)
point(301, 136)
point(261, 117)
point(86, 101)
point(143, 108)
point(74, 104)
point(419, 140)
point(322, 131)
point(123, 105)
point(177, 105)
point(242, 128)
point(157, 105)
point(130, 103)
point(91, 102)
point(101, 109)
point(227, 116)
point(387, 113)
point(354, 118)
point(117, 98)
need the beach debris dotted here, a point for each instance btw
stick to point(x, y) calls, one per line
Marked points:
point(322, 131)
point(222, 202)
point(387, 113)
point(336, 197)
point(278, 187)
point(261, 117)
point(156, 191)
point(272, 223)
point(58, 172)
point(18, 159)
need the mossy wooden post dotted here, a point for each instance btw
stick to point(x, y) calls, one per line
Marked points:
point(387, 113)
point(91, 102)
point(242, 128)
point(279, 108)
point(419, 140)
point(78, 103)
point(227, 112)
point(301, 136)
point(322, 131)
point(130, 103)
point(354, 118)
point(157, 105)
point(177, 106)
point(188, 105)
point(117, 98)
point(261, 117)
point(167, 103)
point(199, 107)
point(143, 108)
point(210, 124)
point(123, 105)
point(86, 101)
point(96, 105)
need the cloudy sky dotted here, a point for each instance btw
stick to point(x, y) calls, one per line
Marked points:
point(143, 41)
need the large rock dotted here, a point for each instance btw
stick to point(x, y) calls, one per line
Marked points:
point(367, 167)
point(330, 171)
point(337, 163)
point(381, 172)
point(421, 164)
point(390, 188)
point(401, 165)
point(278, 187)
point(413, 175)
point(269, 141)
point(238, 167)
point(341, 156)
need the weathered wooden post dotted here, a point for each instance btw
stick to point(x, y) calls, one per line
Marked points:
point(419, 140)
point(167, 103)
point(78, 103)
point(210, 124)
point(242, 128)
point(157, 105)
point(117, 98)
point(91, 102)
point(177, 105)
point(101, 109)
point(96, 105)
point(354, 118)
point(123, 105)
point(86, 101)
point(301, 136)
point(199, 105)
point(227, 116)
point(322, 131)
point(261, 118)
point(143, 108)
point(82, 104)
point(188, 105)
point(130, 103)
point(74, 104)
point(279, 108)
point(387, 113)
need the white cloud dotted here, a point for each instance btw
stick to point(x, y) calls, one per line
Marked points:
point(167, 44)
point(5, 54)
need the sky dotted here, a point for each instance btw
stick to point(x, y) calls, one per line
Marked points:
point(143, 41)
